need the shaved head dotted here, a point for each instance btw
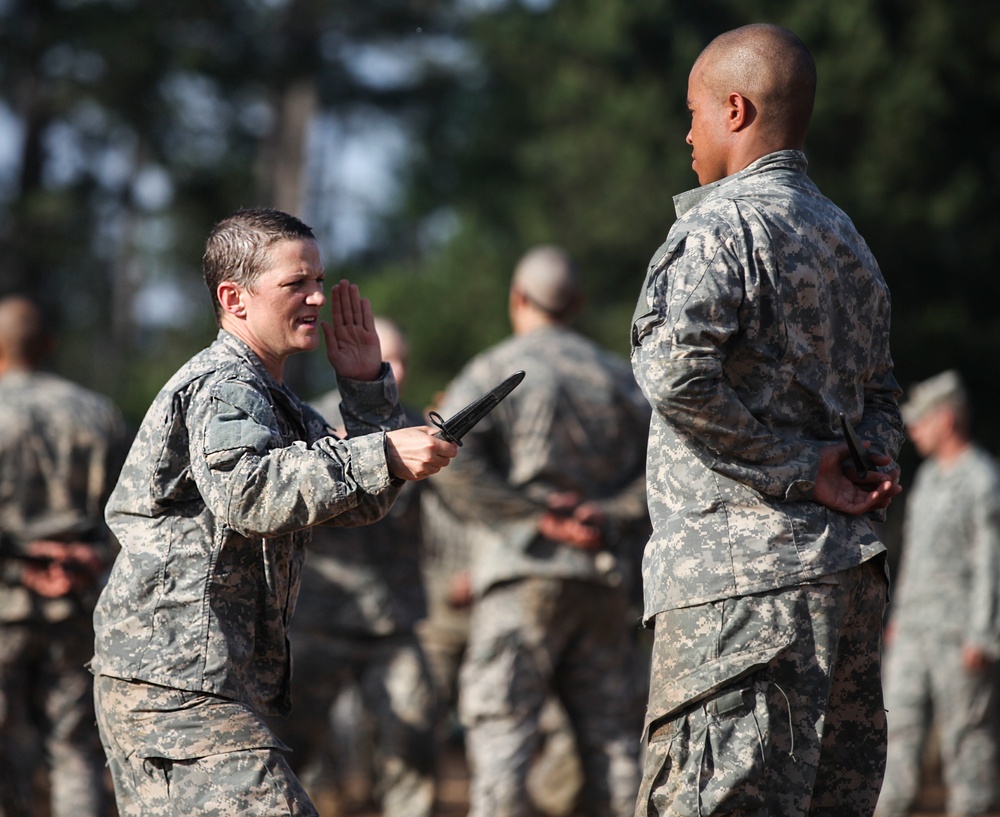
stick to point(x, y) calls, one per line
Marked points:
point(24, 337)
point(549, 279)
point(772, 68)
point(395, 347)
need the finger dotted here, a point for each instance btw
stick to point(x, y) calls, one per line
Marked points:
point(336, 307)
point(352, 304)
point(367, 316)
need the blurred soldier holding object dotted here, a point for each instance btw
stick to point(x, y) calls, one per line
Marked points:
point(61, 447)
point(557, 474)
point(943, 637)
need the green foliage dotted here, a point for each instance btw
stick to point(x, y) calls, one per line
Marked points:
point(573, 132)
point(450, 308)
point(566, 124)
point(108, 94)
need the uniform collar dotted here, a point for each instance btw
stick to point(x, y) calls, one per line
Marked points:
point(779, 160)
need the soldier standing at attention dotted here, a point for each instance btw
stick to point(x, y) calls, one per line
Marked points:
point(763, 317)
point(61, 447)
point(228, 473)
point(556, 473)
point(943, 637)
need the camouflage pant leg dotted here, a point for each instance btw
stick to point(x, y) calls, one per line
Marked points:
point(772, 703)
point(443, 635)
point(530, 639)
point(924, 675)
point(216, 759)
point(602, 692)
point(240, 783)
point(46, 689)
point(397, 689)
point(397, 694)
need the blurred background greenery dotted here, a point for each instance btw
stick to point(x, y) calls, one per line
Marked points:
point(430, 142)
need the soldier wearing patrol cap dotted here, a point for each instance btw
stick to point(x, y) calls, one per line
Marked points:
point(943, 637)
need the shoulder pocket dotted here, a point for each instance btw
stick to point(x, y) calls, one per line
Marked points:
point(240, 424)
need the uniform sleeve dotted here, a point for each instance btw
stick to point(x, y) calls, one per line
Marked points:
point(258, 487)
point(984, 624)
point(693, 296)
point(370, 406)
point(628, 505)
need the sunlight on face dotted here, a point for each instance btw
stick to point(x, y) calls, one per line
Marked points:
point(282, 311)
point(708, 137)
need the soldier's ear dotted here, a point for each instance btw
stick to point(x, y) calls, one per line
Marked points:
point(231, 299)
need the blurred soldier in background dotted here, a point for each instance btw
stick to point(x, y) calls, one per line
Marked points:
point(555, 776)
point(444, 633)
point(362, 594)
point(943, 637)
point(557, 473)
point(61, 447)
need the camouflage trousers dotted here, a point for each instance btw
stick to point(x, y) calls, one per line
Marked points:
point(924, 675)
point(769, 705)
point(397, 693)
point(534, 638)
point(46, 708)
point(174, 753)
point(443, 635)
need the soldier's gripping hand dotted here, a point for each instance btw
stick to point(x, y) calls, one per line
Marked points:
point(839, 488)
point(415, 453)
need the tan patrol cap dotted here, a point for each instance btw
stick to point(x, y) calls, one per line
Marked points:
point(942, 389)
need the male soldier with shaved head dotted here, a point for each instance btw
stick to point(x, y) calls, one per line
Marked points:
point(556, 473)
point(763, 318)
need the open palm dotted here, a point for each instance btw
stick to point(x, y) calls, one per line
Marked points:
point(352, 345)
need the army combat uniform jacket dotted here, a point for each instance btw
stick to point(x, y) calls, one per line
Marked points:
point(763, 316)
point(948, 588)
point(577, 423)
point(213, 509)
point(61, 447)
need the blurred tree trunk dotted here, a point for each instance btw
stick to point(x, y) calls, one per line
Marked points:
point(283, 155)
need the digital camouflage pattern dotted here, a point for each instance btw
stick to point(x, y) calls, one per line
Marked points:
point(361, 596)
point(175, 751)
point(577, 423)
point(770, 703)
point(61, 447)
point(365, 580)
point(947, 596)
point(397, 693)
point(228, 472)
point(534, 638)
point(763, 316)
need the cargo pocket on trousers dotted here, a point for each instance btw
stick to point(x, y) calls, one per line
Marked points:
point(712, 752)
